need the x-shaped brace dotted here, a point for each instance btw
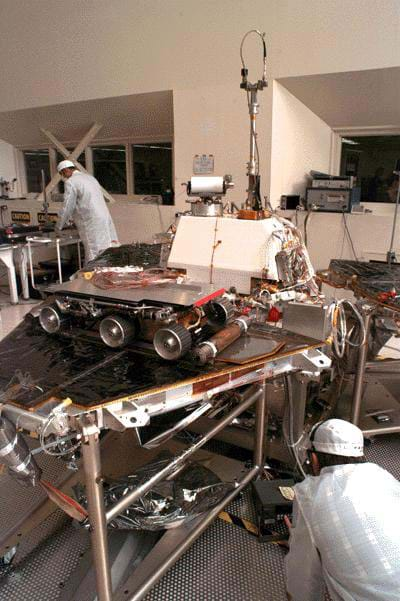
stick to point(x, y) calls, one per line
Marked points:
point(73, 156)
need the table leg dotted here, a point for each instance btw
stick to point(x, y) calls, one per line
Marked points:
point(59, 261)
point(22, 259)
point(7, 256)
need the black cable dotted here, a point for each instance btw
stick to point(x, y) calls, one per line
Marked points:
point(349, 236)
point(305, 226)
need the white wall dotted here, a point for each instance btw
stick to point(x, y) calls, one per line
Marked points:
point(97, 48)
point(327, 239)
point(301, 141)
point(51, 54)
point(215, 120)
point(7, 162)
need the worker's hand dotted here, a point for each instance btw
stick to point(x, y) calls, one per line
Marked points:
point(287, 522)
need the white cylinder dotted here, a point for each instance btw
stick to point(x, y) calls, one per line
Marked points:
point(206, 185)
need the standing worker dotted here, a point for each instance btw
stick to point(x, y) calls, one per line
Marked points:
point(84, 203)
point(346, 523)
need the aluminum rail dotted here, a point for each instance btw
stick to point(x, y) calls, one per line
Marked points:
point(94, 491)
point(251, 396)
point(360, 371)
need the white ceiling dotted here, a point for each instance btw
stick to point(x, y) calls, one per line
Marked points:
point(138, 116)
point(350, 99)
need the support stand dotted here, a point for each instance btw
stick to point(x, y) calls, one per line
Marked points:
point(367, 313)
point(97, 516)
point(174, 542)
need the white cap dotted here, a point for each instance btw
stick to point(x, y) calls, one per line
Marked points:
point(64, 165)
point(337, 437)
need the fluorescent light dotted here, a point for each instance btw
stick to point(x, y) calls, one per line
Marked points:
point(348, 141)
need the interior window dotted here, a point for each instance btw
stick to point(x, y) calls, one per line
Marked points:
point(372, 159)
point(152, 170)
point(109, 166)
point(35, 161)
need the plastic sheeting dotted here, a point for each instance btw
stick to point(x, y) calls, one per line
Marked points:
point(368, 279)
point(146, 255)
point(192, 491)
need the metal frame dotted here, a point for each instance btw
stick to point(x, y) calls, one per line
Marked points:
point(174, 543)
point(368, 311)
point(99, 517)
point(136, 410)
point(58, 242)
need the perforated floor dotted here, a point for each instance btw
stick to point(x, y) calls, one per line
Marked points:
point(225, 564)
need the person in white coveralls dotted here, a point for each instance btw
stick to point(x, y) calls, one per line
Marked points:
point(346, 523)
point(84, 203)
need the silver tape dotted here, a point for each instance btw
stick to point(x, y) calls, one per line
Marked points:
point(22, 466)
point(240, 320)
point(211, 345)
point(9, 447)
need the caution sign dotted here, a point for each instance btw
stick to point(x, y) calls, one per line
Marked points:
point(43, 218)
point(20, 216)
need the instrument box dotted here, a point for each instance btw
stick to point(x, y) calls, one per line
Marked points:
point(271, 507)
point(332, 200)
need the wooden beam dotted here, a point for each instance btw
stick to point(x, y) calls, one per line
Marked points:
point(73, 156)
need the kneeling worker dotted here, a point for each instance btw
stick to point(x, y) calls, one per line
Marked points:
point(346, 523)
point(84, 203)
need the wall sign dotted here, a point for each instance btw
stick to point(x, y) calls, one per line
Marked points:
point(43, 218)
point(20, 216)
point(203, 163)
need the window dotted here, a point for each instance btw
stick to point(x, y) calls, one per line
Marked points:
point(372, 159)
point(109, 166)
point(149, 166)
point(152, 170)
point(35, 161)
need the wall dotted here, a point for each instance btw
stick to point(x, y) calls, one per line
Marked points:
point(300, 142)
point(7, 162)
point(97, 48)
point(215, 120)
point(327, 238)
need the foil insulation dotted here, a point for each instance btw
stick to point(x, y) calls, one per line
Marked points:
point(183, 496)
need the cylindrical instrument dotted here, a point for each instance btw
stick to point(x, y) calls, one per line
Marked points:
point(16, 456)
point(207, 351)
point(206, 186)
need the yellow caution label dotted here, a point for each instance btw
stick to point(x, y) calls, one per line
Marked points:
point(20, 216)
point(241, 522)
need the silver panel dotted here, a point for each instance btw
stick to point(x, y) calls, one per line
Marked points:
point(308, 320)
point(177, 294)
